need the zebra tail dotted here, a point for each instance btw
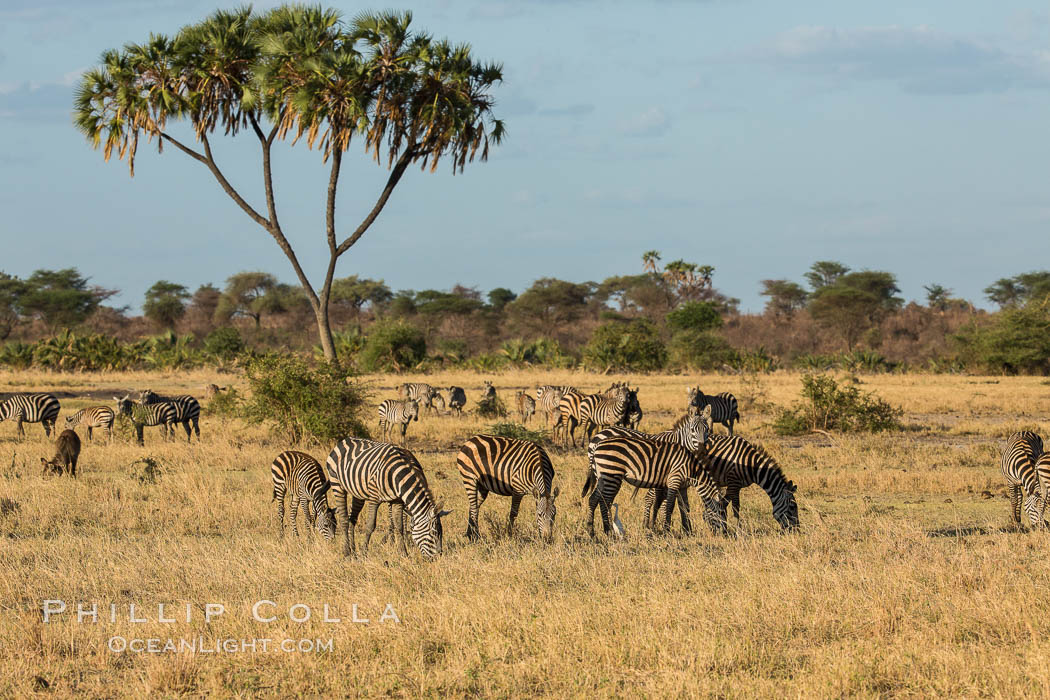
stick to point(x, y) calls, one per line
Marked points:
point(589, 484)
point(636, 490)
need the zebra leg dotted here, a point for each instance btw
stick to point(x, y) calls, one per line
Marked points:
point(404, 430)
point(397, 515)
point(683, 509)
point(186, 425)
point(295, 513)
point(48, 425)
point(355, 511)
point(572, 430)
point(342, 520)
point(474, 509)
point(139, 429)
point(305, 502)
point(197, 428)
point(278, 510)
point(654, 498)
point(1015, 502)
point(372, 510)
point(606, 491)
point(21, 430)
point(89, 433)
point(515, 503)
point(733, 496)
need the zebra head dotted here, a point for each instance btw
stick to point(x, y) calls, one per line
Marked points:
point(545, 512)
point(490, 391)
point(412, 410)
point(147, 396)
point(785, 509)
point(426, 531)
point(697, 429)
point(71, 421)
point(326, 523)
point(124, 405)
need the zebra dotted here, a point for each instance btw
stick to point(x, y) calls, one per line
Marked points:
point(489, 392)
point(723, 406)
point(437, 402)
point(507, 467)
point(549, 396)
point(94, 417)
point(142, 415)
point(303, 475)
point(187, 410)
point(457, 399)
point(632, 416)
point(526, 407)
point(378, 472)
point(394, 411)
point(600, 410)
point(420, 392)
point(31, 408)
point(691, 431)
point(1042, 473)
point(736, 464)
point(1018, 466)
point(646, 463)
point(213, 390)
point(568, 416)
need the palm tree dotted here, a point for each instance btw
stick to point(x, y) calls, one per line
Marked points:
point(300, 73)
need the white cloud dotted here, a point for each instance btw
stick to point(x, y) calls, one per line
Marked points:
point(652, 122)
point(918, 59)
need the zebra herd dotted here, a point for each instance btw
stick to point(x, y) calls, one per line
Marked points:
point(1026, 467)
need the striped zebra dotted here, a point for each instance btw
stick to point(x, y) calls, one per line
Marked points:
point(691, 431)
point(549, 397)
point(301, 474)
point(736, 464)
point(601, 410)
point(632, 417)
point(377, 472)
point(526, 407)
point(646, 463)
point(457, 399)
point(31, 408)
point(187, 410)
point(420, 392)
point(507, 467)
point(397, 411)
point(148, 415)
point(568, 416)
point(488, 392)
point(723, 406)
point(94, 417)
point(1018, 465)
point(1042, 473)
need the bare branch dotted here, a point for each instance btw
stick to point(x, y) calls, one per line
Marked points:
point(399, 169)
point(182, 147)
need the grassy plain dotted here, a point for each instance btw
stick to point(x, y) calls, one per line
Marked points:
point(905, 579)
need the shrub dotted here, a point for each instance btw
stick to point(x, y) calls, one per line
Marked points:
point(491, 407)
point(303, 400)
point(393, 345)
point(146, 471)
point(827, 406)
point(700, 350)
point(518, 432)
point(224, 343)
point(695, 316)
point(1018, 341)
point(625, 346)
point(227, 404)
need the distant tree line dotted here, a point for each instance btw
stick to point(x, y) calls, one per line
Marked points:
point(668, 315)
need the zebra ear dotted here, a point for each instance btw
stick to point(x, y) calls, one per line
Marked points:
point(791, 487)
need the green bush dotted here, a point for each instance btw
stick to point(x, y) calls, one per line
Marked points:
point(224, 343)
point(518, 432)
point(699, 350)
point(492, 407)
point(827, 406)
point(392, 345)
point(1018, 342)
point(694, 316)
point(303, 401)
point(227, 404)
point(635, 345)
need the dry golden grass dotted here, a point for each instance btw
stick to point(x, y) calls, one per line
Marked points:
point(905, 578)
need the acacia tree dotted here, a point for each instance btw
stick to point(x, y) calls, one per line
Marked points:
point(165, 303)
point(297, 72)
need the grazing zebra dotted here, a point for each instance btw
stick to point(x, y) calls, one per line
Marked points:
point(1018, 464)
point(31, 408)
point(377, 472)
point(568, 416)
point(397, 411)
point(600, 410)
point(736, 464)
point(526, 407)
point(212, 390)
point(457, 399)
point(303, 475)
point(549, 397)
point(94, 417)
point(1042, 472)
point(646, 463)
point(507, 467)
point(723, 406)
point(143, 415)
point(420, 392)
point(187, 410)
point(67, 451)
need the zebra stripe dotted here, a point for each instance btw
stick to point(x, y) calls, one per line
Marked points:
point(457, 399)
point(507, 467)
point(632, 416)
point(600, 410)
point(378, 472)
point(736, 464)
point(420, 392)
point(723, 406)
point(568, 416)
point(94, 417)
point(148, 415)
point(303, 475)
point(526, 407)
point(187, 409)
point(1042, 473)
point(646, 463)
point(397, 412)
point(31, 408)
point(1018, 466)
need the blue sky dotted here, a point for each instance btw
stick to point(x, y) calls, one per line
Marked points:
point(753, 136)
